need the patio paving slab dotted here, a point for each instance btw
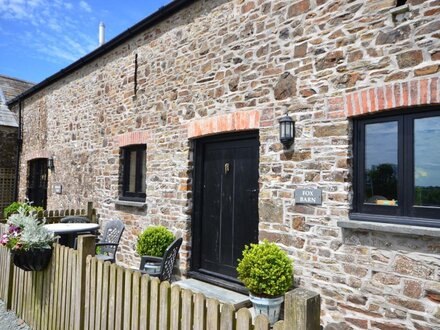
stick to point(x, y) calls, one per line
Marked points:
point(10, 321)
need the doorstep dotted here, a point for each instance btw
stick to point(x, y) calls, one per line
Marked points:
point(224, 296)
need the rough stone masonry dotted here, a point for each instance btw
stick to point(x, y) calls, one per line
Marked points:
point(225, 65)
point(9, 88)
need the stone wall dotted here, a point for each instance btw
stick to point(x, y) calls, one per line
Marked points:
point(9, 88)
point(8, 138)
point(8, 161)
point(222, 57)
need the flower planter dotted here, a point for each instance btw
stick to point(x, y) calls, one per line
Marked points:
point(152, 268)
point(32, 260)
point(267, 306)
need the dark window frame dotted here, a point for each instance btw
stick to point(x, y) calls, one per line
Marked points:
point(138, 195)
point(405, 213)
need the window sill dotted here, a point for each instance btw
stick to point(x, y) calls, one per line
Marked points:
point(389, 228)
point(119, 202)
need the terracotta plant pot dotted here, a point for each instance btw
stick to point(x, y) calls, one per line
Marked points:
point(32, 260)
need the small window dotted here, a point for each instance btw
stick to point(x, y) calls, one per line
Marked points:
point(397, 168)
point(133, 178)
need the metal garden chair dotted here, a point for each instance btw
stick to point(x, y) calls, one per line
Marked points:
point(74, 219)
point(109, 241)
point(167, 261)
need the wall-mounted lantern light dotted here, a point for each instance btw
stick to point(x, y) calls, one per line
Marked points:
point(287, 131)
point(50, 164)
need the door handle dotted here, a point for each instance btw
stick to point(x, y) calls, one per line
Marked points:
point(227, 168)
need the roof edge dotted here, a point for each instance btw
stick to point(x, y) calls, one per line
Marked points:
point(158, 16)
point(17, 79)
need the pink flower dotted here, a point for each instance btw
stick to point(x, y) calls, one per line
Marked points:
point(14, 229)
point(18, 246)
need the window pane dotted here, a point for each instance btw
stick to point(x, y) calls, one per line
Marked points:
point(132, 177)
point(381, 152)
point(143, 188)
point(427, 161)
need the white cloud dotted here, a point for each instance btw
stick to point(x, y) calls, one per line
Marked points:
point(59, 48)
point(14, 9)
point(53, 25)
point(34, 3)
point(85, 6)
point(47, 28)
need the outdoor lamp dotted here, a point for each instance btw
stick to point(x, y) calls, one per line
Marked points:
point(50, 163)
point(287, 131)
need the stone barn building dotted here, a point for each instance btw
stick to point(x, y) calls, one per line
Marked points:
point(9, 88)
point(176, 122)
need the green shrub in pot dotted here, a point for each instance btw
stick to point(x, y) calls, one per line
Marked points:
point(152, 244)
point(153, 241)
point(15, 206)
point(267, 272)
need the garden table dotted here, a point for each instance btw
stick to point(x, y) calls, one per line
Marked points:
point(69, 231)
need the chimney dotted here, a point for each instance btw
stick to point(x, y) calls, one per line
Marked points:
point(101, 33)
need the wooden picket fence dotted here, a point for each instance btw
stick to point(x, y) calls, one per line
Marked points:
point(54, 216)
point(77, 292)
point(45, 300)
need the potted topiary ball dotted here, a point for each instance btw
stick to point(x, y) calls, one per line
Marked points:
point(153, 242)
point(267, 272)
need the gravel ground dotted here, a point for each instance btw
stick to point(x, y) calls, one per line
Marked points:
point(10, 321)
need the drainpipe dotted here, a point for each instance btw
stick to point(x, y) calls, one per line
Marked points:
point(19, 145)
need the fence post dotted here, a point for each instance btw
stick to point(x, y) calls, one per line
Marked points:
point(302, 310)
point(9, 274)
point(9, 282)
point(90, 212)
point(86, 246)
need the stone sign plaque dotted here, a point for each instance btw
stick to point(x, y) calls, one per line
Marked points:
point(308, 196)
point(58, 188)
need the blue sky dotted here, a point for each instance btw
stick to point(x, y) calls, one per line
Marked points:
point(40, 37)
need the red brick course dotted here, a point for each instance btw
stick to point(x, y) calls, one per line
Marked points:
point(133, 138)
point(382, 98)
point(237, 121)
point(38, 154)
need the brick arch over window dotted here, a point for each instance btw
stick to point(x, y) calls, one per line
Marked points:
point(386, 97)
point(231, 122)
point(38, 154)
point(132, 138)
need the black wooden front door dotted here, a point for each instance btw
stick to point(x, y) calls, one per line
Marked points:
point(226, 203)
point(37, 182)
